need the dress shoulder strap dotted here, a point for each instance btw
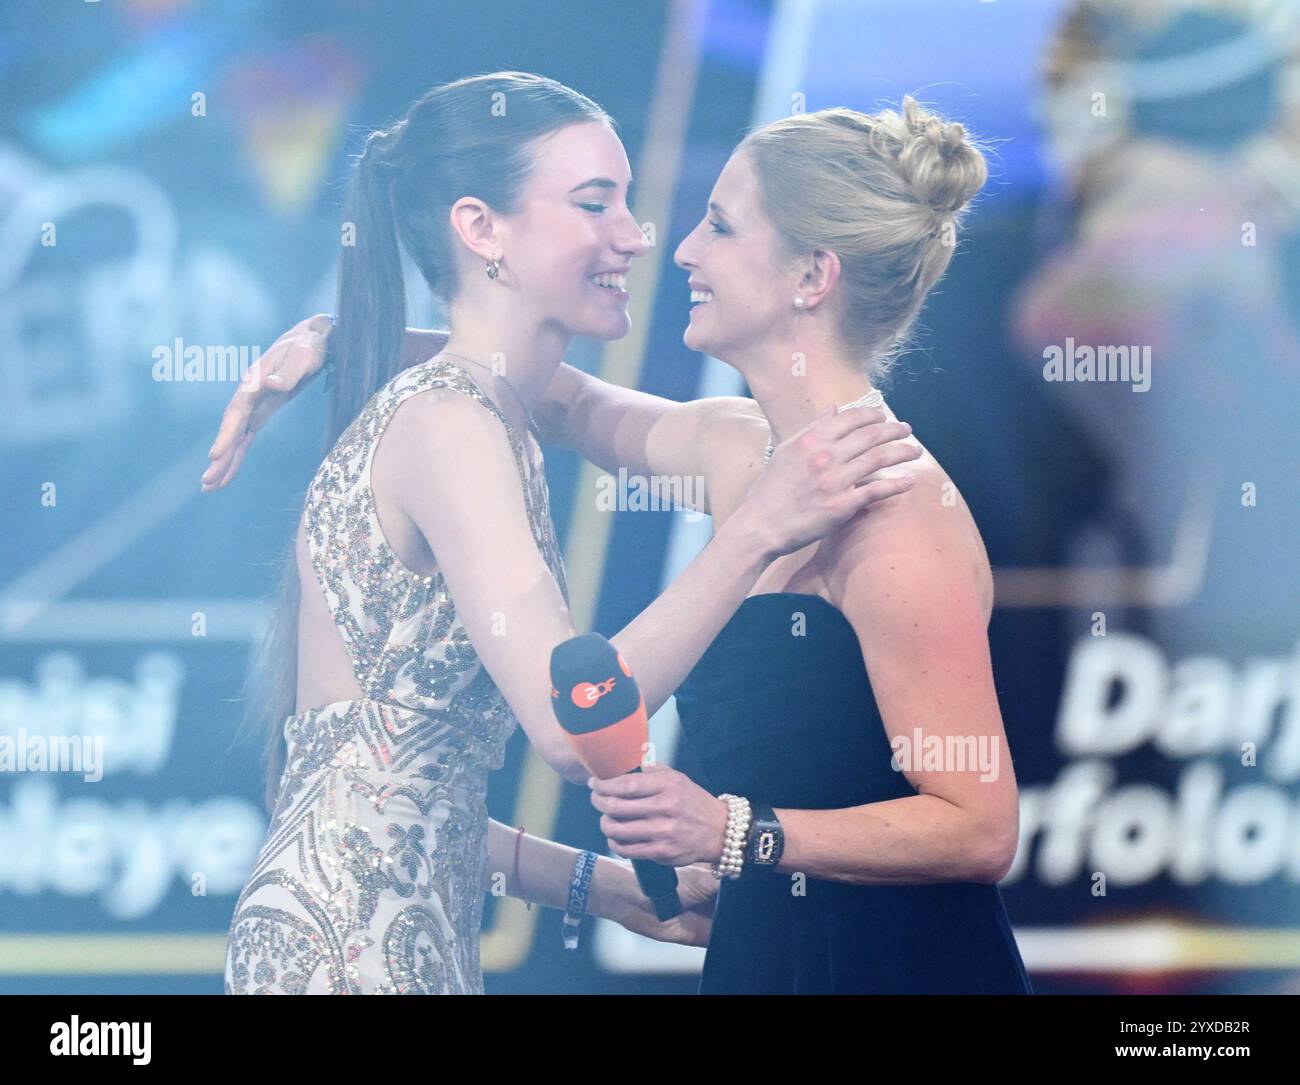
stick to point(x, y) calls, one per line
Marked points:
point(441, 373)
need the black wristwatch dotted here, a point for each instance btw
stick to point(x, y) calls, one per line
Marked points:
point(766, 839)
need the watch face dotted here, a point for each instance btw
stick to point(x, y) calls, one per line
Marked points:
point(765, 846)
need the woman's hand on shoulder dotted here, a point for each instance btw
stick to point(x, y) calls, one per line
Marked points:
point(826, 475)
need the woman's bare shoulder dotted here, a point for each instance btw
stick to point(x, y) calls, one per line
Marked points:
point(931, 519)
point(443, 438)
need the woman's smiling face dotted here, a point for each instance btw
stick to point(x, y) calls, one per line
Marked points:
point(740, 274)
point(572, 241)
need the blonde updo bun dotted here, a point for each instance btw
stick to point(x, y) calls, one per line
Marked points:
point(945, 170)
point(886, 192)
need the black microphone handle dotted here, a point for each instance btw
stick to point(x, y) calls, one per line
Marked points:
point(659, 883)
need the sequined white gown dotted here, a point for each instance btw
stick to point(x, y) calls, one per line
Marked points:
point(374, 869)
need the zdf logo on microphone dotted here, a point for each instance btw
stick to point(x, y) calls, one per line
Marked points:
point(586, 694)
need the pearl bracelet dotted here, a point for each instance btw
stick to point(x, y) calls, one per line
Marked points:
point(733, 850)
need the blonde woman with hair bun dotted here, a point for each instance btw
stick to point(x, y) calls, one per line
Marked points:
point(853, 791)
point(849, 705)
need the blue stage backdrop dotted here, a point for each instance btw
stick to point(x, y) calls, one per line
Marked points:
point(170, 184)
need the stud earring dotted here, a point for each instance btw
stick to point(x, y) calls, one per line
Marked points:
point(494, 268)
point(798, 302)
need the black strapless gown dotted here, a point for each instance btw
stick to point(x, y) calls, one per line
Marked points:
point(792, 720)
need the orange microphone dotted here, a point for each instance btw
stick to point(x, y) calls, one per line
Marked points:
point(602, 712)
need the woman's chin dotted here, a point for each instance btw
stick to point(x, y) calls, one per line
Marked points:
point(694, 340)
point(610, 327)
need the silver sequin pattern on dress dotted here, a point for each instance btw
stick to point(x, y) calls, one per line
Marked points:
point(373, 873)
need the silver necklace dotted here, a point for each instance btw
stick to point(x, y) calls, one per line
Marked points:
point(518, 398)
point(871, 399)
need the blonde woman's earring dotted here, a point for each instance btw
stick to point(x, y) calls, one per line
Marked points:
point(494, 269)
point(798, 302)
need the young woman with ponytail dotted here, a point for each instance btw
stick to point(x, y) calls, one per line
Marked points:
point(426, 588)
